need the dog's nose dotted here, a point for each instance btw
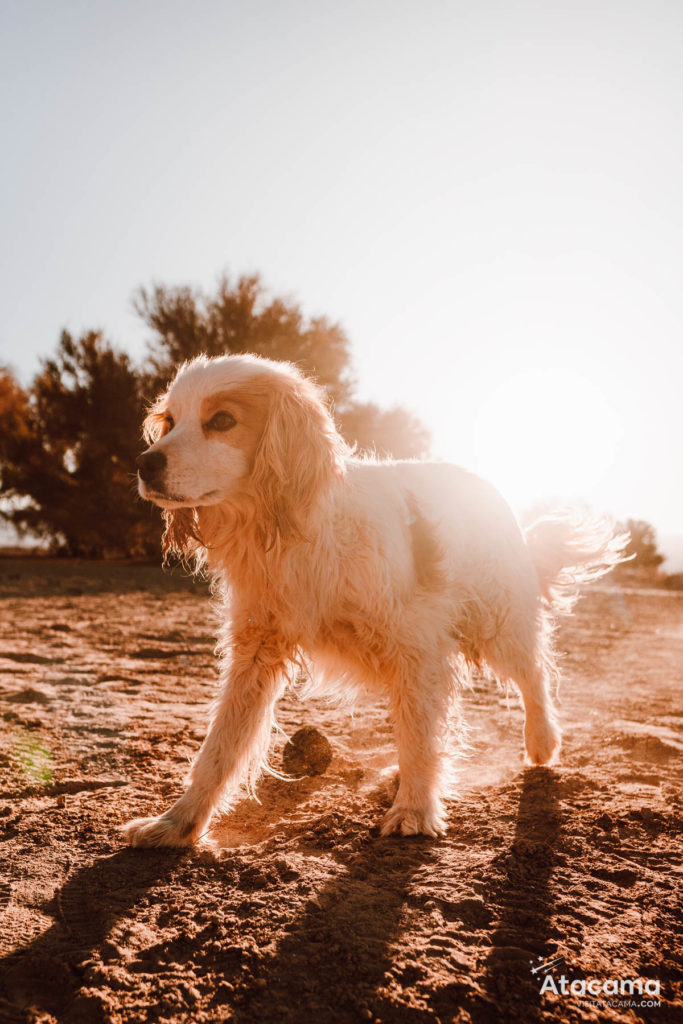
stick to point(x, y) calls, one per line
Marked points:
point(150, 464)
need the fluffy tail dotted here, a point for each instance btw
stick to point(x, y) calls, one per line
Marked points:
point(569, 548)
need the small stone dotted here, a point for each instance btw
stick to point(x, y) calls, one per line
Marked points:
point(307, 753)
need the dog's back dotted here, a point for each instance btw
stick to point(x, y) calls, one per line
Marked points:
point(443, 525)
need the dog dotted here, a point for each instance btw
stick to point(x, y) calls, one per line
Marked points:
point(394, 578)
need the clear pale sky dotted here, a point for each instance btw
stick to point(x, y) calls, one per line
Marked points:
point(487, 195)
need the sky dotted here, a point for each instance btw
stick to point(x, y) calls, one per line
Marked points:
point(486, 195)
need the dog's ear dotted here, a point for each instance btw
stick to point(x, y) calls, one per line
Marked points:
point(155, 423)
point(180, 538)
point(298, 456)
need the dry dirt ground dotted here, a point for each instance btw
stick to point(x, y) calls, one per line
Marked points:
point(105, 677)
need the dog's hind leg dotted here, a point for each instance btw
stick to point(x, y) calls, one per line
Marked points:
point(531, 667)
point(542, 734)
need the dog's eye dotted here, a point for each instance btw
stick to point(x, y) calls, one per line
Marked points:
point(221, 421)
point(169, 423)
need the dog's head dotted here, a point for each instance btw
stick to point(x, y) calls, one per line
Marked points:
point(240, 430)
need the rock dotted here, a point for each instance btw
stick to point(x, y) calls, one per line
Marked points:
point(307, 753)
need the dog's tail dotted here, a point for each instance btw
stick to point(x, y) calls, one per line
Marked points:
point(572, 547)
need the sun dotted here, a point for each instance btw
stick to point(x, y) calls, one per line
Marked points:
point(546, 434)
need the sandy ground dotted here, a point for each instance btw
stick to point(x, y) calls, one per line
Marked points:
point(105, 677)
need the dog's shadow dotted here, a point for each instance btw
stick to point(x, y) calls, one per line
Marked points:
point(524, 938)
point(353, 920)
point(336, 954)
point(352, 931)
point(346, 931)
point(47, 972)
point(342, 947)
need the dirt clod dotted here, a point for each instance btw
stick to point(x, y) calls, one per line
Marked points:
point(307, 753)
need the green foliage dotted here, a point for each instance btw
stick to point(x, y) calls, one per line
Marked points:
point(33, 760)
point(68, 443)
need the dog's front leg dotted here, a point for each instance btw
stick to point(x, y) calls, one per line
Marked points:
point(236, 743)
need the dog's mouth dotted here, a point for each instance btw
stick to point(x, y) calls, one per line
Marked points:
point(169, 501)
point(163, 499)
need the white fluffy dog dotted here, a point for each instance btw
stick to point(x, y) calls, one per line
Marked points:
point(393, 577)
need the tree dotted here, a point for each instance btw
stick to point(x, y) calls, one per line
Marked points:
point(68, 452)
point(390, 433)
point(643, 546)
point(14, 411)
point(242, 317)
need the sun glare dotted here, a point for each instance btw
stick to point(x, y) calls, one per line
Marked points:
point(546, 434)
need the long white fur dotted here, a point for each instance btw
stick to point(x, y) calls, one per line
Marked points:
point(392, 578)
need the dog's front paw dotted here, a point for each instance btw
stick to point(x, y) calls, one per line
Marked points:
point(413, 821)
point(161, 831)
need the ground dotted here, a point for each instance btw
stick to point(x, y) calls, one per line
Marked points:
point(106, 673)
